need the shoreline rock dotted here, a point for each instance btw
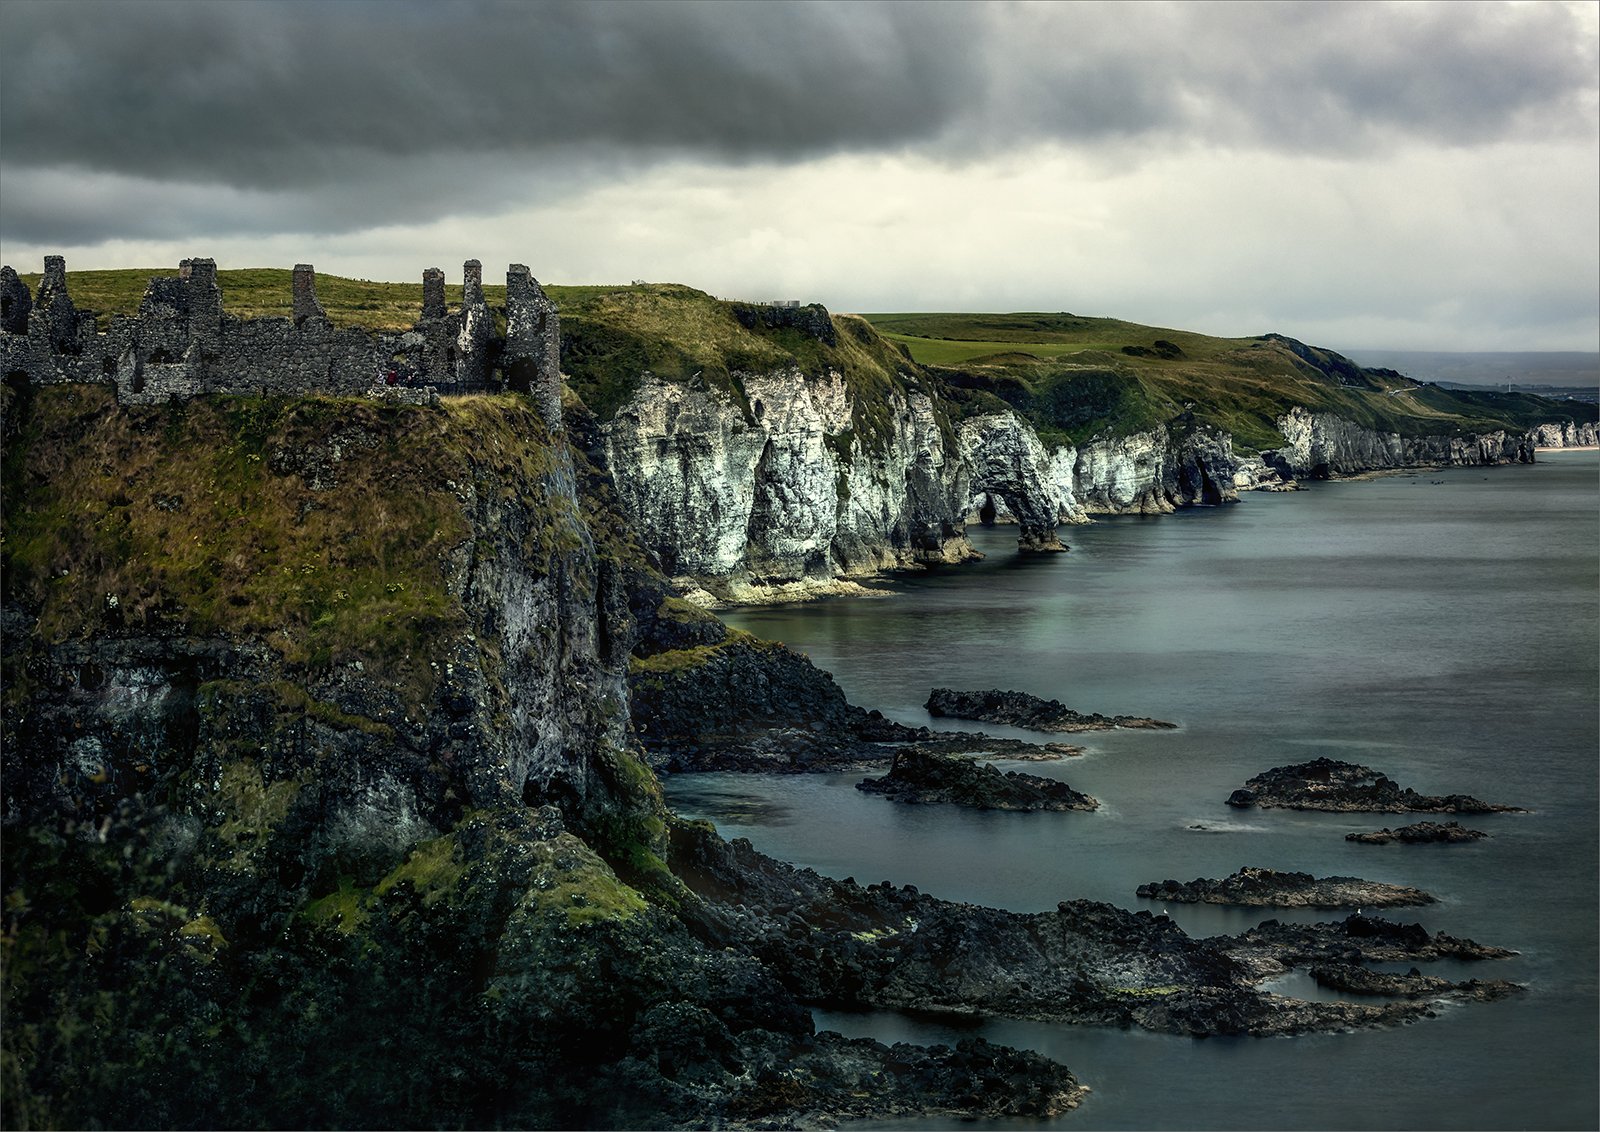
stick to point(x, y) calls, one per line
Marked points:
point(1272, 946)
point(1450, 832)
point(1269, 888)
point(1327, 784)
point(707, 698)
point(1019, 709)
point(919, 776)
point(1352, 978)
point(835, 943)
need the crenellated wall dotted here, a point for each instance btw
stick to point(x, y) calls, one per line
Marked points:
point(183, 344)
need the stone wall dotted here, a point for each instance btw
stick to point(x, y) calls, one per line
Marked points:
point(183, 344)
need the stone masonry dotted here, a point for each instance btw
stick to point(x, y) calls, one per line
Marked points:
point(183, 344)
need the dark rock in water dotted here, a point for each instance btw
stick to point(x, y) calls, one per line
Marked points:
point(1326, 784)
point(1367, 939)
point(1261, 888)
point(704, 698)
point(784, 1082)
point(1018, 709)
point(1354, 979)
point(1423, 831)
point(919, 775)
point(837, 943)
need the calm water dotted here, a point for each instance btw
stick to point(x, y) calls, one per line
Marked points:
point(1442, 632)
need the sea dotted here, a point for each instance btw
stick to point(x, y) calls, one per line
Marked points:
point(1442, 627)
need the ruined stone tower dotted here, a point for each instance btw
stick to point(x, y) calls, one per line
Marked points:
point(531, 361)
point(477, 329)
point(305, 294)
point(183, 344)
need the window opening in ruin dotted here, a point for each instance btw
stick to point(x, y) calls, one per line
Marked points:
point(521, 374)
point(108, 366)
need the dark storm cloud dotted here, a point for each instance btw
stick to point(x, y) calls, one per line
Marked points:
point(332, 116)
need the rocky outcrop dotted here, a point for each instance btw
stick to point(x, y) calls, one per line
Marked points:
point(705, 698)
point(891, 947)
point(790, 484)
point(1326, 784)
point(1018, 709)
point(1269, 888)
point(1319, 445)
point(1009, 470)
point(920, 776)
point(1422, 832)
point(316, 737)
point(783, 492)
point(1565, 434)
point(783, 496)
point(1271, 945)
point(1353, 979)
point(1179, 464)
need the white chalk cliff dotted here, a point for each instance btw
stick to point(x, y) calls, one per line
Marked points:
point(788, 495)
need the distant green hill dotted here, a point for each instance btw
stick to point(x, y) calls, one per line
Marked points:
point(1074, 376)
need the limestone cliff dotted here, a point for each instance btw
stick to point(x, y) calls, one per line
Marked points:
point(785, 495)
point(1566, 434)
point(786, 499)
point(1319, 445)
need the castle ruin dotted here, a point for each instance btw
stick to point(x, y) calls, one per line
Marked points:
point(183, 344)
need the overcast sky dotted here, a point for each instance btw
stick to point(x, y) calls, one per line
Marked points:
point(1361, 176)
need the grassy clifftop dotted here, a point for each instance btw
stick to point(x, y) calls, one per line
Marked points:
point(1072, 376)
point(1076, 376)
point(611, 335)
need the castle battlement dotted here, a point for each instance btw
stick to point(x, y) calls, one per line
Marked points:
point(183, 344)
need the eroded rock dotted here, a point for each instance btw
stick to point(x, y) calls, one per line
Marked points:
point(1420, 833)
point(1019, 709)
point(1327, 784)
point(917, 775)
point(1269, 888)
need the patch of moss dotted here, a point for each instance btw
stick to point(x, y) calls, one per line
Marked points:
point(250, 810)
point(203, 930)
point(1148, 992)
point(345, 910)
point(571, 881)
point(682, 612)
point(433, 870)
point(676, 661)
point(294, 698)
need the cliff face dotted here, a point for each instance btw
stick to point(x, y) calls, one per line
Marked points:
point(445, 626)
point(1318, 445)
point(1155, 472)
point(1566, 434)
point(786, 494)
point(322, 806)
point(788, 497)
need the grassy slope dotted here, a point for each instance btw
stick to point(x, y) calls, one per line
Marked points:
point(184, 514)
point(1069, 374)
point(1074, 377)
